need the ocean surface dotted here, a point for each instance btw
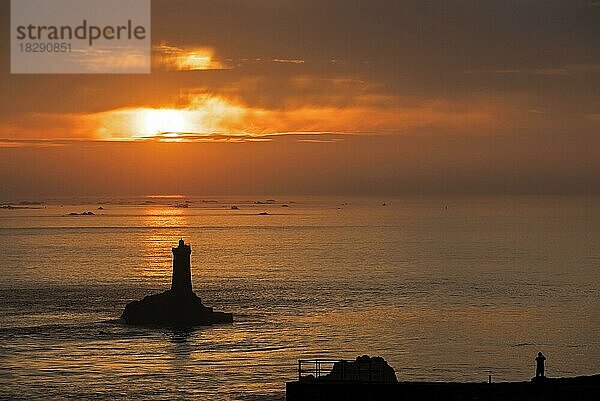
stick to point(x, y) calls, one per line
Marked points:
point(447, 289)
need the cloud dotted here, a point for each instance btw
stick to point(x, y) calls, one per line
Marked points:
point(122, 58)
point(38, 143)
point(289, 61)
point(171, 57)
point(182, 137)
point(206, 115)
point(565, 70)
point(47, 126)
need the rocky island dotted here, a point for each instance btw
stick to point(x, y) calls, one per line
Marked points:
point(177, 307)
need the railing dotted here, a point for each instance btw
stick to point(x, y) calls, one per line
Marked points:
point(355, 371)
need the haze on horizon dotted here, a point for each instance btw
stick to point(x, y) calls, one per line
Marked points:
point(309, 97)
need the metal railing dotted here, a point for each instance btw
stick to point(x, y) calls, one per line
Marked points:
point(341, 370)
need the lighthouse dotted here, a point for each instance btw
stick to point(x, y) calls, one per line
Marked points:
point(181, 283)
point(177, 307)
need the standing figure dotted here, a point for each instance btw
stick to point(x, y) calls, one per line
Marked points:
point(539, 366)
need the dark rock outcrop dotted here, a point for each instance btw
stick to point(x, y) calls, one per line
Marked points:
point(364, 368)
point(177, 307)
point(171, 309)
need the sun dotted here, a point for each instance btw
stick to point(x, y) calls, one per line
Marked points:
point(159, 121)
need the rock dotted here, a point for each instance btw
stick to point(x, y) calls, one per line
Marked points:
point(363, 369)
point(30, 203)
point(173, 310)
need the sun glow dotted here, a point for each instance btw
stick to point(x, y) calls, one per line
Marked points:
point(158, 121)
point(196, 61)
point(186, 59)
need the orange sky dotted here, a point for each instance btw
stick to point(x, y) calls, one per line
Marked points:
point(321, 97)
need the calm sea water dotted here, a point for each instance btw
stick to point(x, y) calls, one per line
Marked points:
point(442, 294)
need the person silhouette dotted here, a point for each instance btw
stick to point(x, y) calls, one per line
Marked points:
point(539, 367)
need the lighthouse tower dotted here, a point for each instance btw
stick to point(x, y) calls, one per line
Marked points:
point(177, 307)
point(181, 283)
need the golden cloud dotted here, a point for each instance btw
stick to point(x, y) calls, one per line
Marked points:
point(186, 59)
point(208, 115)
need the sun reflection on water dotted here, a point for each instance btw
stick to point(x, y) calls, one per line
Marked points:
point(155, 247)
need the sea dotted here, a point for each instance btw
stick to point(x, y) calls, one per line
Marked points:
point(443, 288)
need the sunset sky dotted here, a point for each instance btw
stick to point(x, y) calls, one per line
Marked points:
point(320, 97)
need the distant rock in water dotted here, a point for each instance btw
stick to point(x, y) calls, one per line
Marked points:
point(23, 205)
point(30, 203)
point(82, 214)
point(177, 307)
point(267, 202)
point(234, 207)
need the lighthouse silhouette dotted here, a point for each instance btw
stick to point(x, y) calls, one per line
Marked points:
point(177, 307)
point(181, 283)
